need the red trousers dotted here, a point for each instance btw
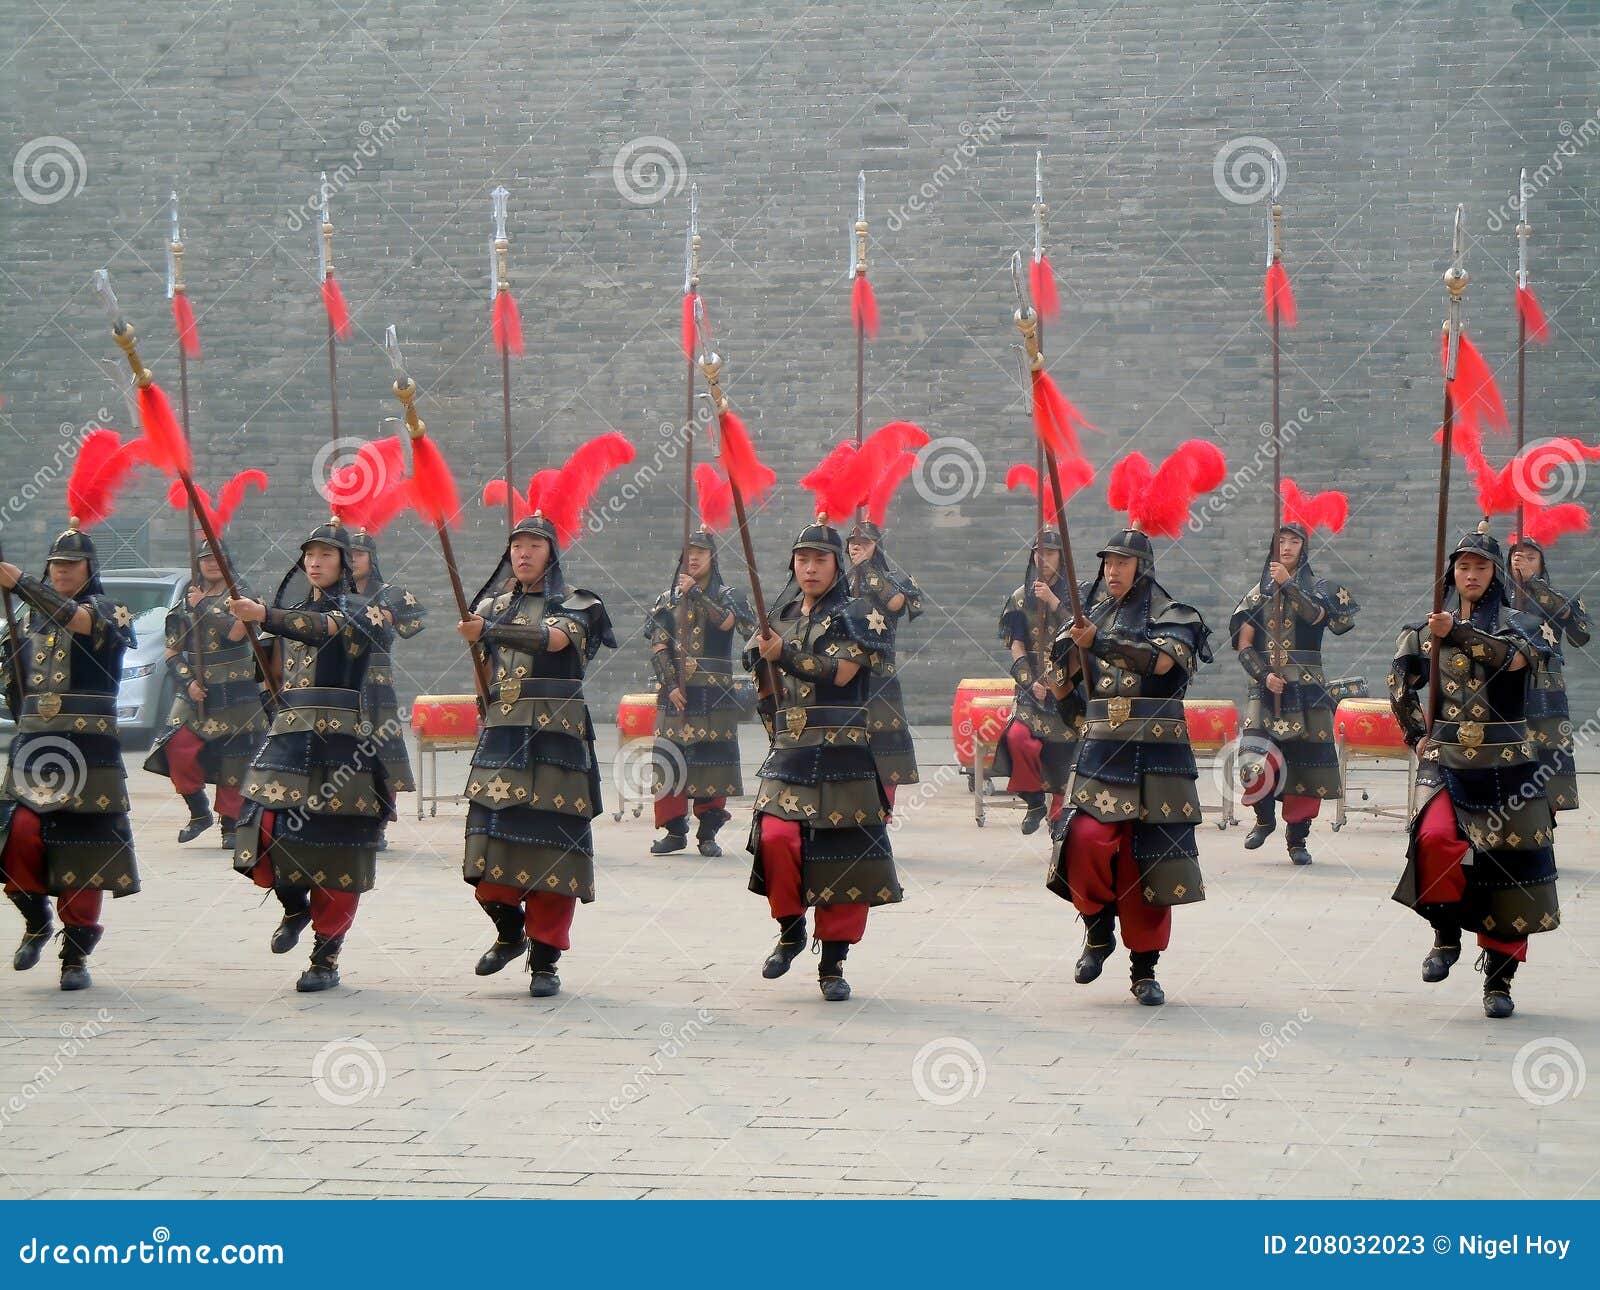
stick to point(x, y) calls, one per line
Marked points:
point(332, 912)
point(1440, 878)
point(674, 806)
point(1026, 768)
point(22, 862)
point(1102, 874)
point(780, 864)
point(548, 915)
point(183, 763)
point(1296, 808)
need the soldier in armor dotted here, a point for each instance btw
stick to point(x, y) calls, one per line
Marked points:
point(1563, 618)
point(890, 592)
point(534, 785)
point(691, 629)
point(316, 795)
point(1037, 745)
point(64, 802)
point(1125, 845)
point(217, 716)
point(819, 838)
point(381, 708)
point(1481, 853)
point(1288, 750)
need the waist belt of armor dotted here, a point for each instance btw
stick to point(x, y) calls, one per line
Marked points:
point(319, 696)
point(78, 705)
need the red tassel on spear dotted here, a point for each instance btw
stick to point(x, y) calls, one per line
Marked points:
point(1532, 316)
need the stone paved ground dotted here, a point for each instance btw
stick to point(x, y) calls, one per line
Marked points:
point(1300, 1055)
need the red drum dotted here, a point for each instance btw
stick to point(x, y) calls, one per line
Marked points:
point(1213, 723)
point(1368, 728)
point(636, 716)
point(961, 711)
point(445, 717)
point(989, 714)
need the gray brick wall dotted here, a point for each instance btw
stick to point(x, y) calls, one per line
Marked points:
point(1388, 114)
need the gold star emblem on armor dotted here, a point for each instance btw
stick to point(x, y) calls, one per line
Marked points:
point(876, 622)
point(1549, 633)
point(499, 789)
point(409, 599)
point(1105, 800)
point(122, 617)
point(375, 615)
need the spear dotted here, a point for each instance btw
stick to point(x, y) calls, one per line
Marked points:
point(1042, 290)
point(168, 450)
point(505, 325)
point(748, 477)
point(332, 298)
point(1455, 281)
point(1530, 326)
point(1280, 309)
point(691, 303)
point(188, 343)
point(433, 492)
point(863, 304)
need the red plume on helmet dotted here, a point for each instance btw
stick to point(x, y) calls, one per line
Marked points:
point(1311, 512)
point(561, 493)
point(713, 497)
point(1547, 525)
point(1526, 478)
point(233, 492)
point(369, 491)
point(880, 493)
point(835, 482)
point(103, 467)
point(1158, 501)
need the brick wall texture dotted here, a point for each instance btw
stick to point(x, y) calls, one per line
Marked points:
point(1388, 115)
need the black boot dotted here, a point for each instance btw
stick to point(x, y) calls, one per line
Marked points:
point(1142, 969)
point(1497, 969)
point(1295, 836)
point(36, 928)
point(1099, 940)
point(511, 937)
point(1035, 813)
point(296, 902)
point(791, 941)
point(830, 971)
point(542, 964)
point(706, 834)
point(229, 827)
point(676, 838)
point(77, 943)
point(323, 974)
point(1442, 957)
point(200, 818)
point(1266, 824)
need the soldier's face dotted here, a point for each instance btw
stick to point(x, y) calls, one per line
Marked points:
point(815, 571)
point(1473, 574)
point(1049, 563)
point(698, 562)
point(360, 563)
point(1526, 563)
point(68, 576)
point(210, 570)
point(1290, 547)
point(1120, 571)
point(321, 563)
point(530, 557)
point(862, 550)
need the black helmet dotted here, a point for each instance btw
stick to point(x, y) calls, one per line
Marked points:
point(331, 532)
point(536, 525)
point(865, 528)
point(71, 545)
point(1132, 542)
point(1480, 542)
